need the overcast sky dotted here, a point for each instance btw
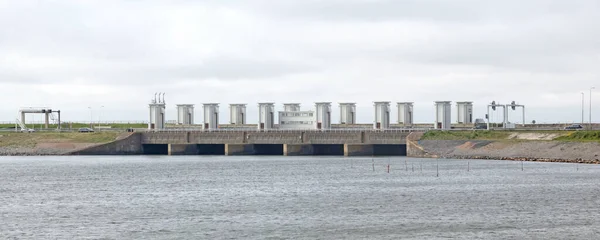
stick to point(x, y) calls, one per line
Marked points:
point(69, 55)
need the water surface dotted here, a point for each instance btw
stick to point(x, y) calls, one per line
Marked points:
point(196, 197)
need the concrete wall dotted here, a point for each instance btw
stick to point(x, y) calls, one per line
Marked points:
point(164, 138)
point(385, 137)
point(332, 137)
point(296, 137)
point(215, 137)
point(413, 149)
point(126, 145)
point(274, 137)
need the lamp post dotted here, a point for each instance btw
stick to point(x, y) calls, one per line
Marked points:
point(100, 115)
point(591, 106)
point(91, 119)
point(582, 103)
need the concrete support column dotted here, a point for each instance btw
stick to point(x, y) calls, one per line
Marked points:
point(23, 117)
point(358, 150)
point(182, 149)
point(47, 121)
point(239, 149)
point(297, 149)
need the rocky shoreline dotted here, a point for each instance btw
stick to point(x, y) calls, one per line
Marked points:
point(532, 151)
point(60, 149)
point(527, 159)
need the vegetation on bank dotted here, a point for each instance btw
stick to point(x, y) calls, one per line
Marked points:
point(10, 139)
point(465, 135)
point(581, 136)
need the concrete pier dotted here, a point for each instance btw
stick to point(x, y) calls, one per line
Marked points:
point(298, 149)
point(182, 149)
point(358, 150)
point(239, 149)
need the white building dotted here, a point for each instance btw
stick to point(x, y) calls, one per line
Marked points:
point(442, 115)
point(347, 113)
point(291, 107)
point(237, 114)
point(323, 115)
point(185, 114)
point(297, 120)
point(405, 113)
point(465, 112)
point(157, 113)
point(211, 116)
point(266, 115)
point(382, 115)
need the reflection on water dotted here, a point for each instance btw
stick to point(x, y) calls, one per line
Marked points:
point(196, 197)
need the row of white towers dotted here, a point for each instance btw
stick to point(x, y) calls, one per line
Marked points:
point(185, 114)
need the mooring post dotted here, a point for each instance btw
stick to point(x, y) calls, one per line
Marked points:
point(373, 163)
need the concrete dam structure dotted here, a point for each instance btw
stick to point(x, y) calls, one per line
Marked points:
point(285, 143)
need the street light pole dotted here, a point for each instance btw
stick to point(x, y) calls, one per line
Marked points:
point(91, 119)
point(591, 106)
point(582, 103)
point(100, 115)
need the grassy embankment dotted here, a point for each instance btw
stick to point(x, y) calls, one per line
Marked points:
point(509, 135)
point(581, 136)
point(31, 139)
point(465, 135)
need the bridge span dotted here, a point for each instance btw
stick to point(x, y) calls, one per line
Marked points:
point(276, 142)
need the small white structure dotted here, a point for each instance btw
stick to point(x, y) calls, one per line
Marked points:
point(266, 115)
point(442, 115)
point(237, 114)
point(405, 113)
point(382, 115)
point(465, 112)
point(323, 115)
point(157, 112)
point(297, 120)
point(291, 107)
point(347, 113)
point(48, 114)
point(211, 116)
point(185, 114)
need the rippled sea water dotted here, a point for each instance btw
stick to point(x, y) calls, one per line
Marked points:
point(197, 197)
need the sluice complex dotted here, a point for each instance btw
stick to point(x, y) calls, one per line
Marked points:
point(287, 143)
point(292, 117)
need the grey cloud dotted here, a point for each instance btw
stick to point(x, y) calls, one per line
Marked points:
point(157, 73)
point(328, 50)
point(420, 10)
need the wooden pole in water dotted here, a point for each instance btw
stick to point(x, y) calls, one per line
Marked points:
point(421, 165)
point(437, 168)
point(388, 168)
point(521, 165)
point(468, 166)
point(413, 167)
point(373, 161)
